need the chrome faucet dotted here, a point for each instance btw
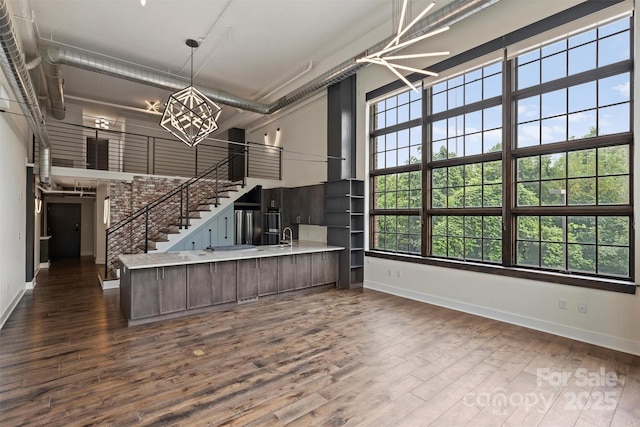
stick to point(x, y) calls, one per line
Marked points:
point(284, 236)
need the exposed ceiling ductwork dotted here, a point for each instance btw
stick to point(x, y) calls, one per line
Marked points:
point(15, 70)
point(447, 15)
point(46, 78)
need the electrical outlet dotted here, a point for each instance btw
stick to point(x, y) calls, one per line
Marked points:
point(397, 273)
point(389, 272)
point(582, 307)
point(562, 304)
point(368, 260)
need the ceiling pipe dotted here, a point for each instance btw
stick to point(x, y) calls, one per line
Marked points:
point(447, 15)
point(49, 76)
point(15, 70)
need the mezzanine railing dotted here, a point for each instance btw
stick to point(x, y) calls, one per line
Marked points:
point(82, 147)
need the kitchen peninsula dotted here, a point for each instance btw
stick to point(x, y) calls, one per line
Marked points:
point(157, 286)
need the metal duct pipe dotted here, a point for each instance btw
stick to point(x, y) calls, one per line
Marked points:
point(14, 68)
point(447, 15)
point(45, 164)
point(50, 74)
point(55, 88)
point(80, 59)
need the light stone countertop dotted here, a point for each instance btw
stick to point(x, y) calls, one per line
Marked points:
point(164, 259)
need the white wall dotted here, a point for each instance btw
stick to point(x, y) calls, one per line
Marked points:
point(13, 161)
point(303, 137)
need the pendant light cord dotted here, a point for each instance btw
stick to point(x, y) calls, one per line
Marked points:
point(191, 65)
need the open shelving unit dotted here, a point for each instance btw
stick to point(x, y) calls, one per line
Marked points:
point(344, 217)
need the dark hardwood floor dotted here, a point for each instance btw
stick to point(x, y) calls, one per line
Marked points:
point(327, 357)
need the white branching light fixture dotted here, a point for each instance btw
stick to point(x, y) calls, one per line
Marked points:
point(382, 57)
point(189, 115)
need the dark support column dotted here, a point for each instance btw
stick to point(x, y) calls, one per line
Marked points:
point(29, 234)
point(341, 129)
point(236, 155)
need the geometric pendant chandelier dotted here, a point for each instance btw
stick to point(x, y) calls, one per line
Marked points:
point(189, 115)
point(382, 58)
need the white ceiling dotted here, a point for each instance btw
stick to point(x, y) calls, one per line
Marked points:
point(248, 47)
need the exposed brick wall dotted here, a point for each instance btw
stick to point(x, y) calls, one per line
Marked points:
point(146, 189)
point(128, 198)
point(120, 197)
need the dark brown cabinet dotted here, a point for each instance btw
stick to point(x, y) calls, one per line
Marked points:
point(294, 272)
point(147, 294)
point(324, 268)
point(286, 273)
point(199, 286)
point(307, 204)
point(156, 291)
point(173, 295)
point(248, 277)
point(298, 205)
point(302, 264)
point(257, 277)
point(224, 282)
point(268, 281)
point(211, 283)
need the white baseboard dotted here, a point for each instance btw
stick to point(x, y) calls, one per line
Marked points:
point(45, 264)
point(11, 307)
point(109, 284)
point(612, 342)
point(30, 285)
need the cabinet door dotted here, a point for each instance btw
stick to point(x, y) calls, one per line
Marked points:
point(303, 271)
point(210, 234)
point(268, 281)
point(224, 282)
point(331, 267)
point(317, 269)
point(304, 199)
point(199, 290)
point(145, 293)
point(248, 274)
point(286, 273)
point(316, 204)
point(286, 208)
point(225, 228)
point(173, 289)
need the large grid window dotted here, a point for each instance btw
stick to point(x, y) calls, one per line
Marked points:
point(471, 185)
point(465, 177)
point(578, 243)
point(548, 190)
point(474, 238)
point(572, 154)
point(396, 158)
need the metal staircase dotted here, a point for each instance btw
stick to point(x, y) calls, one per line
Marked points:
point(172, 212)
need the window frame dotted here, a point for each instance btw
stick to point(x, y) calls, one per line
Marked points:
point(509, 156)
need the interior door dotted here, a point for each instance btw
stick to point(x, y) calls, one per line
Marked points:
point(63, 225)
point(98, 154)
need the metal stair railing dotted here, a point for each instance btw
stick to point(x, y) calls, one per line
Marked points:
point(173, 210)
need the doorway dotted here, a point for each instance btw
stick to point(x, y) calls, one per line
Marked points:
point(63, 225)
point(98, 154)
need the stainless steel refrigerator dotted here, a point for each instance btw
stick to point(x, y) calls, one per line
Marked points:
point(245, 227)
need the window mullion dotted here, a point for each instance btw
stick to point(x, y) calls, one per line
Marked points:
point(426, 172)
point(508, 180)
